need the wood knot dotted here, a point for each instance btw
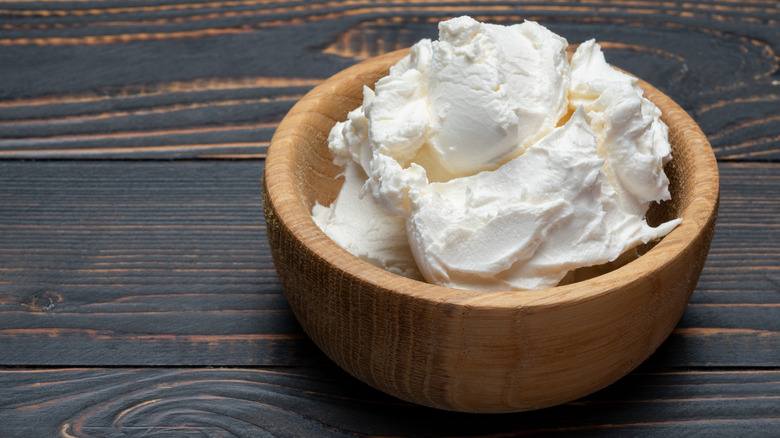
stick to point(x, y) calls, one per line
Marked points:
point(43, 301)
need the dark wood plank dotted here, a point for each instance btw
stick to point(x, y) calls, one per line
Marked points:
point(166, 263)
point(326, 402)
point(118, 79)
point(205, 118)
point(743, 266)
point(141, 263)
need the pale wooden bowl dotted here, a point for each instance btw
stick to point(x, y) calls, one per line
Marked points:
point(465, 350)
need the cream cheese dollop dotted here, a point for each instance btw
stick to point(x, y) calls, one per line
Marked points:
point(361, 227)
point(485, 160)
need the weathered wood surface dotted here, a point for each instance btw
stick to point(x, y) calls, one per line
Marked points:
point(166, 263)
point(138, 275)
point(326, 402)
point(212, 79)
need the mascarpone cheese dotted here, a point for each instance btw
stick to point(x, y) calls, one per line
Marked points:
point(485, 160)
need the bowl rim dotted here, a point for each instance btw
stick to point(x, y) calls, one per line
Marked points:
point(278, 176)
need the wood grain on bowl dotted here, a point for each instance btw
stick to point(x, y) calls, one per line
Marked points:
point(465, 350)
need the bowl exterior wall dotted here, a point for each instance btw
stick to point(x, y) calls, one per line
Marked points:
point(458, 355)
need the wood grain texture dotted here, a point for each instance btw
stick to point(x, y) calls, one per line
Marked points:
point(212, 79)
point(326, 402)
point(166, 263)
point(90, 247)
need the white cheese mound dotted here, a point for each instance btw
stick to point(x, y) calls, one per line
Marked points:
point(485, 160)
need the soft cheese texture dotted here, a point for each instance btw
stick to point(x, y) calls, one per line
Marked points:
point(485, 160)
point(361, 227)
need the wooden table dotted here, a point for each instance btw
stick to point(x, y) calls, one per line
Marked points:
point(137, 293)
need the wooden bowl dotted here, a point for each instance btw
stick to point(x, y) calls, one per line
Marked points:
point(466, 350)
